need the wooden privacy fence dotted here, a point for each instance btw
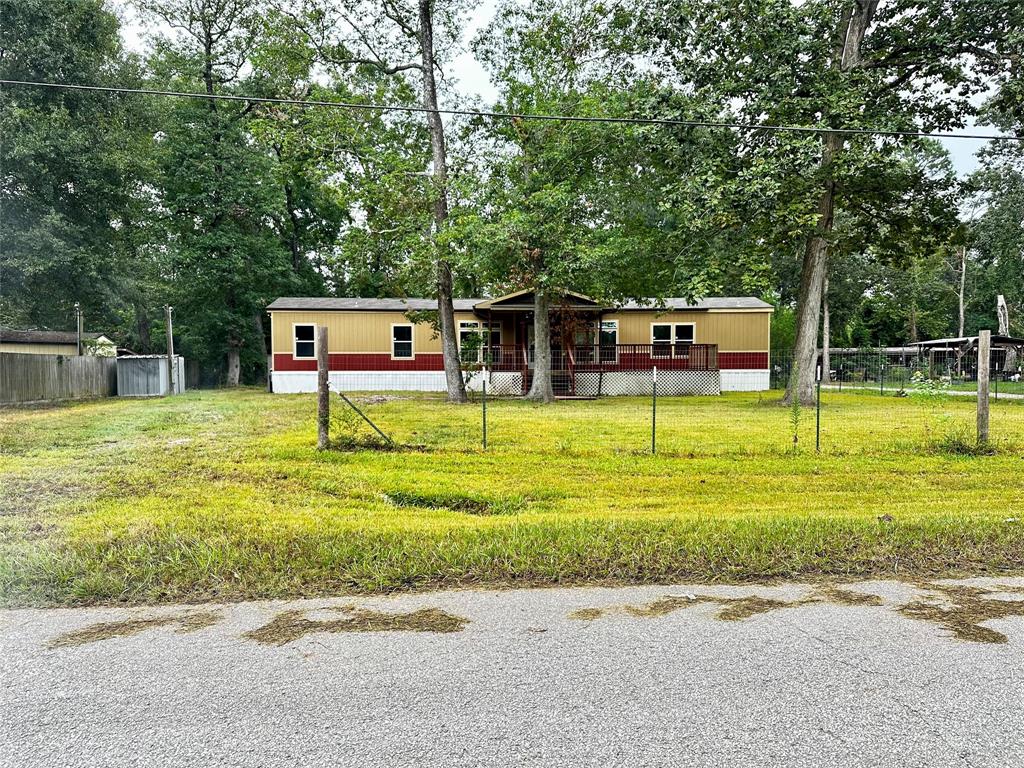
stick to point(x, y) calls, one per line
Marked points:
point(29, 378)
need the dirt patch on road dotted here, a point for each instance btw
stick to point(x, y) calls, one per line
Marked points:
point(587, 614)
point(959, 609)
point(739, 608)
point(292, 625)
point(107, 630)
point(732, 608)
point(962, 609)
point(848, 597)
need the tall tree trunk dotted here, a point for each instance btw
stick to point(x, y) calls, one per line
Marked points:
point(960, 293)
point(812, 284)
point(295, 227)
point(854, 23)
point(261, 336)
point(540, 388)
point(234, 365)
point(1003, 315)
point(445, 309)
point(143, 328)
point(962, 269)
point(826, 333)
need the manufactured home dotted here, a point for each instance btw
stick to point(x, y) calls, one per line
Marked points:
point(698, 347)
point(55, 343)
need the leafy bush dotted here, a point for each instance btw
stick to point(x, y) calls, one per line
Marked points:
point(349, 431)
point(924, 387)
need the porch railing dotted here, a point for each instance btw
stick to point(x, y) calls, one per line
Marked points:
point(599, 357)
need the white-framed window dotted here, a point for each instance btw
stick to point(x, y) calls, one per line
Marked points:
point(304, 341)
point(474, 337)
point(401, 341)
point(608, 340)
point(668, 336)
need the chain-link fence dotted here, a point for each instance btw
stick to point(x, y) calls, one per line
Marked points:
point(898, 370)
point(870, 403)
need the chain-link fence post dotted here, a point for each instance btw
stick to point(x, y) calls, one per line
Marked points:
point(817, 414)
point(654, 409)
point(881, 373)
point(483, 399)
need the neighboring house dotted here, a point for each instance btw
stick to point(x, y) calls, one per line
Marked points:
point(699, 347)
point(55, 343)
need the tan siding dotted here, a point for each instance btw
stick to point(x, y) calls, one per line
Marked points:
point(731, 331)
point(352, 331)
point(355, 331)
point(40, 349)
point(364, 331)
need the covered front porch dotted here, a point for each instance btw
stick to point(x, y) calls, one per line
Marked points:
point(587, 359)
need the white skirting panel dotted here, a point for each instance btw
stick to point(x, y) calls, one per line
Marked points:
point(500, 383)
point(613, 383)
point(361, 381)
point(745, 380)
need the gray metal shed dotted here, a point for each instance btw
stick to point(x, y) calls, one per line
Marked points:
point(146, 375)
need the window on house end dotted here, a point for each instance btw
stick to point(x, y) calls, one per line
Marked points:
point(305, 341)
point(401, 341)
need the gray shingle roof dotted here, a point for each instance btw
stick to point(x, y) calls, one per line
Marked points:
point(13, 336)
point(379, 305)
point(300, 303)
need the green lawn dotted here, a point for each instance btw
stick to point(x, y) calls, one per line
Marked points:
point(220, 495)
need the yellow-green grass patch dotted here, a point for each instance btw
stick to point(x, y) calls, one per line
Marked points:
point(221, 495)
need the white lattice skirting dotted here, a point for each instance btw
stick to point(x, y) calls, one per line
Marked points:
point(641, 383)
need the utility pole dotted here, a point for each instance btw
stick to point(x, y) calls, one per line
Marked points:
point(654, 410)
point(78, 327)
point(168, 309)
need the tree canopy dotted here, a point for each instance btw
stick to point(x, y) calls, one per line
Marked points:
point(124, 203)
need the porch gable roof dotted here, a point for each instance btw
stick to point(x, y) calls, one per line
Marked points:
point(525, 300)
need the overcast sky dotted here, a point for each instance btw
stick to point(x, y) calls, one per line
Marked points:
point(471, 79)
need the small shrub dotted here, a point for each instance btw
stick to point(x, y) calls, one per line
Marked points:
point(922, 386)
point(348, 430)
point(960, 441)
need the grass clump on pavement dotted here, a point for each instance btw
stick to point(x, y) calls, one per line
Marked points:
point(222, 495)
point(107, 630)
point(289, 626)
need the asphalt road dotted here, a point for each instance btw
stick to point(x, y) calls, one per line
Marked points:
point(525, 681)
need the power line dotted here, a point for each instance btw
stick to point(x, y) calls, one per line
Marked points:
point(511, 115)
